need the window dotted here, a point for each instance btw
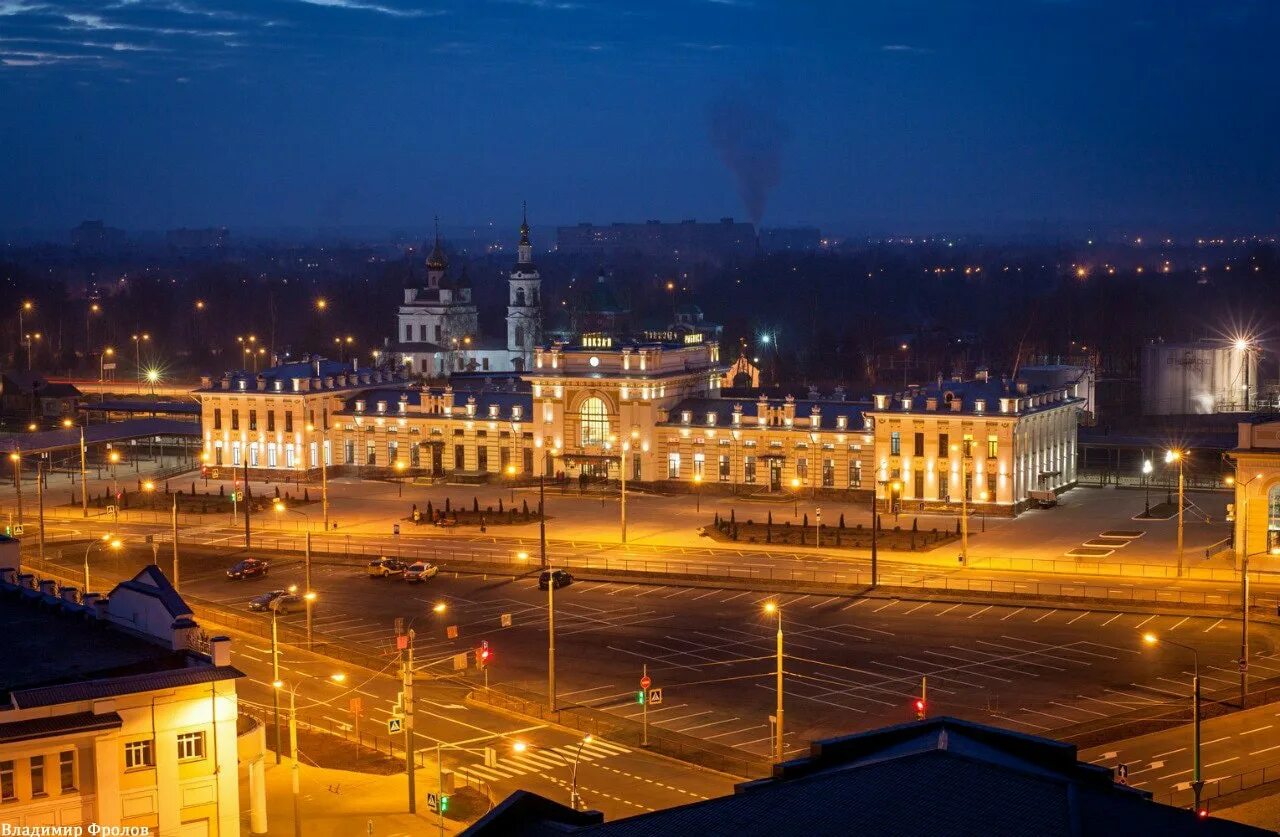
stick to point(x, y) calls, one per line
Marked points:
point(828, 473)
point(673, 466)
point(482, 457)
point(290, 460)
point(802, 467)
point(217, 418)
point(504, 459)
point(699, 465)
point(918, 478)
point(991, 488)
point(748, 469)
point(370, 454)
point(288, 422)
point(253, 455)
point(724, 467)
point(918, 448)
point(415, 457)
point(349, 452)
point(993, 447)
point(67, 770)
point(393, 453)
point(967, 447)
point(459, 457)
point(944, 445)
point(235, 454)
point(235, 419)
point(895, 443)
point(271, 421)
point(37, 775)
point(190, 745)
point(528, 460)
point(138, 754)
point(408, 332)
point(855, 474)
point(437, 334)
point(422, 332)
point(595, 422)
point(315, 456)
point(253, 419)
point(6, 781)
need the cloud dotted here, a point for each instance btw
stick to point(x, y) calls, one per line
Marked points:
point(18, 7)
point(358, 5)
point(905, 48)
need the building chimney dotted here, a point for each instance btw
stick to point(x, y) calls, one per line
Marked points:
point(220, 650)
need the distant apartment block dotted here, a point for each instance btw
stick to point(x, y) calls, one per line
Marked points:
point(209, 238)
point(97, 237)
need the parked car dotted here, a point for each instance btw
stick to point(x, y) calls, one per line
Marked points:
point(248, 568)
point(282, 601)
point(420, 571)
point(384, 567)
point(559, 578)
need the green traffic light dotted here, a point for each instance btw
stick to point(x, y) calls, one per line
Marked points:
point(640, 696)
point(444, 804)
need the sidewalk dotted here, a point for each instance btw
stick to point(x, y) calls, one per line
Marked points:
point(343, 803)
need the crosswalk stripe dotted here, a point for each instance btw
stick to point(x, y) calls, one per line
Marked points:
point(528, 762)
point(609, 748)
point(484, 774)
point(545, 755)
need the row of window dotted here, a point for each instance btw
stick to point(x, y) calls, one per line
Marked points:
point(749, 464)
point(36, 767)
point(271, 419)
point(944, 487)
point(944, 445)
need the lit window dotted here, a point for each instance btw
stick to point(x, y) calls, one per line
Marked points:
point(7, 792)
point(67, 770)
point(595, 422)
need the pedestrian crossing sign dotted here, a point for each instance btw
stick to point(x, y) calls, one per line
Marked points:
point(394, 724)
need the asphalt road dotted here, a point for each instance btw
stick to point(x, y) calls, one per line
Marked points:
point(851, 663)
point(1231, 745)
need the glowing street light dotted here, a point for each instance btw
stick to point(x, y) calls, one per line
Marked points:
point(1197, 783)
point(772, 608)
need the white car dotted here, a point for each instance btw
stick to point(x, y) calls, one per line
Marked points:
point(420, 571)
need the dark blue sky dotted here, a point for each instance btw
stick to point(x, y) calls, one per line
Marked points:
point(879, 117)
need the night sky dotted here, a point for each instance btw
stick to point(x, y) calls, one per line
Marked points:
point(902, 117)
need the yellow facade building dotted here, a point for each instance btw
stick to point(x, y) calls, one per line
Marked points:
point(1257, 489)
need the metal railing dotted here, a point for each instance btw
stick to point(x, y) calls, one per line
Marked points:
point(1213, 788)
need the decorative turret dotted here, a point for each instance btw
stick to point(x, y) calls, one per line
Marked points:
point(524, 305)
point(436, 262)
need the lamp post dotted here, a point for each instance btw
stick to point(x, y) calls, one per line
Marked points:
point(795, 496)
point(551, 637)
point(138, 340)
point(1178, 456)
point(964, 504)
point(293, 746)
point(113, 543)
point(324, 471)
point(155, 548)
point(31, 338)
point(1146, 485)
point(982, 512)
point(84, 487)
point(102, 363)
point(1197, 783)
point(772, 608)
point(308, 595)
point(399, 469)
point(16, 459)
point(27, 305)
point(1244, 582)
point(697, 493)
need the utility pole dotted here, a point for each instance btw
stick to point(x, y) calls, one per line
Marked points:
point(1181, 485)
point(551, 641)
point(875, 524)
point(542, 516)
point(778, 729)
point(964, 508)
point(16, 456)
point(175, 541)
point(275, 673)
point(84, 485)
point(644, 706)
point(406, 661)
point(622, 473)
point(308, 595)
point(40, 499)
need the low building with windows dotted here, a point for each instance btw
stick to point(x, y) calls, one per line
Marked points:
point(1257, 488)
point(277, 421)
point(991, 442)
point(115, 710)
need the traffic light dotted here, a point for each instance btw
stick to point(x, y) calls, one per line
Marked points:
point(483, 654)
point(444, 804)
point(640, 696)
point(919, 707)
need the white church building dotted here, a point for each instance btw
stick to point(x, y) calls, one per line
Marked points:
point(437, 329)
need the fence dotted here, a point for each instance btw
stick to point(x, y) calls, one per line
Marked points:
point(1185, 797)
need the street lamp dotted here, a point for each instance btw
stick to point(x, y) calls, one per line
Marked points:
point(84, 488)
point(24, 308)
point(1147, 468)
point(1244, 581)
point(982, 513)
point(107, 541)
point(795, 496)
point(138, 340)
point(1178, 456)
point(293, 744)
point(324, 473)
point(772, 608)
point(102, 363)
point(153, 377)
point(697, 493)
point(966, 457)
point(1197, 783)
point(399, 469)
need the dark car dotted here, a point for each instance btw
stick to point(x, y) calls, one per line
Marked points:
point(384, 567)
point(420, 571)
point(282, 601)
point(559, 578)
point(248, 568)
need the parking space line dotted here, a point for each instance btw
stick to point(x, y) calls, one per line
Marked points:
point(1077, 618)
point(1012, 613)
point(854, 603)
point(948, 610)
point(979, 612)
point(1175, 627)
point(890, 603)
point(1211, 627)
point(1143, 622)
point(1112, 619)
point(1045, 615)
point(914, 609)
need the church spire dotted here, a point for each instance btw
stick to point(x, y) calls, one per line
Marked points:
point(437, 261)
point(525, 248)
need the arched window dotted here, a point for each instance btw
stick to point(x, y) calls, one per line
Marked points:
point(1273, 518)
point(595, 422)
point(520, 297)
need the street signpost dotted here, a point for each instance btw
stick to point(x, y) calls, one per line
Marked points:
point(433, 803)
point(644, 706)
point(451, 632)
point(395, 530)
point(394, 724)
point(1122, 774)
point(506, 620)
point(655, 697)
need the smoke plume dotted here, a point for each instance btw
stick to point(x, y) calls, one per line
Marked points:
point(749, 135)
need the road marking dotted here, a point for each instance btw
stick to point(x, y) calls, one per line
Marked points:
point(887, 604)
point(1215, 741)
point(1046, 615)
point(1252, 731)
point(710, 724)
point(1012, 613)
point(710, 592)
point(854, 603)
point(948, 610)
point(1224, 761)
point(651, 590)
point(979, 612)
point(1175, 627)
point(1077, 618)
point(1171, 752)
point(1143, 622)
point(1171, 775)
point(1214, 625)
point(1265, 750)
point(914, 609)
point(825, 601)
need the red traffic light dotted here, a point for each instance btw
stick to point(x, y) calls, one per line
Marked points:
point(919, 707)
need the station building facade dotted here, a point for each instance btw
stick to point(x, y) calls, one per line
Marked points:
point(1256, 506)
point(649, 409)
